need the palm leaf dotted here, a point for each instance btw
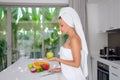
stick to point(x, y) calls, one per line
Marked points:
point(25, 13)
point(15, 13)
point(47, 15)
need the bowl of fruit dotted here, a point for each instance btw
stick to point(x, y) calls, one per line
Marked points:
point(38, 66)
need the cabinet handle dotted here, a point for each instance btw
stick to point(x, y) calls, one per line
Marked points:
point(115, 74)
point(115, 67)
point(103, 71)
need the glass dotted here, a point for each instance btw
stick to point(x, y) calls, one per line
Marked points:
point(3, 43)
point(28, 35)
point(26, 28)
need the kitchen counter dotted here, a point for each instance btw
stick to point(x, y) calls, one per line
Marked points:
point(109, 62)
point(20, 71)
point(114, 68)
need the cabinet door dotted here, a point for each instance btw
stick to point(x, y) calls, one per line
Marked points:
point(109, 12)
point(114, 72)
point(104, 15)
point(113, 76)
point(114, 14)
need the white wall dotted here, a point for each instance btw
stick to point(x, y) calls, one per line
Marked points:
point(96, 40)
point(80, 7)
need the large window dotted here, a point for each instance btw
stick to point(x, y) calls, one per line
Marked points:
point(26, 32)
point(34, 31)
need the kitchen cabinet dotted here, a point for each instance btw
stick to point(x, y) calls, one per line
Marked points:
point(114, 68)
point(109, 15)
point(114, 72)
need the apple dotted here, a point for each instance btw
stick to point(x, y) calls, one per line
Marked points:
point(39, 70)
point(30, 66)
point(49, 54)
point(33, 70)
point(45, 66)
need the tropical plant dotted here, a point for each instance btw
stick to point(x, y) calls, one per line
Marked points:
point(3, 27)
point(3, 56)
point(3, 47)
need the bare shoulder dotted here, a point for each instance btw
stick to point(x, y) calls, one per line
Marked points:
point(75, 42)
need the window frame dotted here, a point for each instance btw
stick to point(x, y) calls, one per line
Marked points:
point(9, 21)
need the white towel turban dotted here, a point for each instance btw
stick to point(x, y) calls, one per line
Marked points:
point(70, 16)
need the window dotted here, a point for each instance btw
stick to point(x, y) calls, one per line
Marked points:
point(3, 43)
point(29, 29)
point(34, 32)
point(33, 28)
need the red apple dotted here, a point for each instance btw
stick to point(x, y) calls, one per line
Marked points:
point(33, 70)
point(45, 66)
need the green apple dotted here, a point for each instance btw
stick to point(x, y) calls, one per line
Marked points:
point(39, 70)
point(30, 66)
point(49, 54)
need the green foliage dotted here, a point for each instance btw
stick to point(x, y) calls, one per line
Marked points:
point(15, 13)
point(2, 11)
point(23, 37)
point(52, 42)
point(47, 14)
point(25, 15)
point(50, 15)
point(3, 22)
point(36, 16)
point(3, 47)
point(65, 37)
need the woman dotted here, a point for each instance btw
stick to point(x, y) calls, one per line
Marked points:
point(73, 54)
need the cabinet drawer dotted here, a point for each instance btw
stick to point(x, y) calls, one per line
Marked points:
point(114, 76)
point(114, 72)
point(115, 69)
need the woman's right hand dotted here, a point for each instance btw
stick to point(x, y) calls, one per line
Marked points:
point(53, 59)
point(55, 70)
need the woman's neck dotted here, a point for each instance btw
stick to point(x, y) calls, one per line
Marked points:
point(71, 33)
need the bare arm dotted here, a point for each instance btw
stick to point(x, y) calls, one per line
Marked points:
point(55, 70)
point(76, 49)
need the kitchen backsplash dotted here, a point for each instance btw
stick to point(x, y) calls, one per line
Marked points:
point(114, 39)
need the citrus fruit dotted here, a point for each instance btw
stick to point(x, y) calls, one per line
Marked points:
point(41, 63)
point(36, 65)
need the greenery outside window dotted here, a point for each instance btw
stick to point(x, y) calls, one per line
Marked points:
point(3, 43)
point(34, 31)
point(33, 28)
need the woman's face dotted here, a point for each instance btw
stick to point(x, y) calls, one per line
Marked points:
point(64, 28)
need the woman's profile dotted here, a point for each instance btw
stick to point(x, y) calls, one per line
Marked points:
point(73, 54)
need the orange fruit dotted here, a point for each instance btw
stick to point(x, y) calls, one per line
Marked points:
point(42, 62)
point(36, 65)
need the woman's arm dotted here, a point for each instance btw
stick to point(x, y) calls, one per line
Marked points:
point(76, 49)
point(55, 70)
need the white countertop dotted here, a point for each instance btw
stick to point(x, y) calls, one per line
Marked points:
point(116, 63)
point(20, 71)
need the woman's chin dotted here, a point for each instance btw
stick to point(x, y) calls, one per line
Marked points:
point(63, 33)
